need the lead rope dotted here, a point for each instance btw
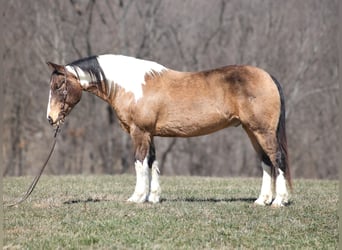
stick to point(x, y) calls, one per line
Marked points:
point(35, 181)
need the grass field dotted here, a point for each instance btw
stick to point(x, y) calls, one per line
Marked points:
point(91, 212)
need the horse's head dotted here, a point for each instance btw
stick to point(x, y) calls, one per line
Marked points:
point(65, 93)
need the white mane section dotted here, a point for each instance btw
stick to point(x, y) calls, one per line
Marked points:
point(128, 72)
point(84, 77)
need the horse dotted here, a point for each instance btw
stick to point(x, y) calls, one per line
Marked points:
point(152, 100)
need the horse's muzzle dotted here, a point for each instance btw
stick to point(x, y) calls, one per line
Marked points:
point(58, 122)
point(50, 120)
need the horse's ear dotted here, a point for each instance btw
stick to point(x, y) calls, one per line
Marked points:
point(56, 67)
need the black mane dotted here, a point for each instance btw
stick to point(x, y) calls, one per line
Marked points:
point(92, 67)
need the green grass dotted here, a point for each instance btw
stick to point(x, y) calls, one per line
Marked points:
point(91, 212)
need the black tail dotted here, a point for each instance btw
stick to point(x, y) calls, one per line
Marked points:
point(282, 155)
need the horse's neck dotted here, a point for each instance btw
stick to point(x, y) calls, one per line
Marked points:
point(105, 90)
point(113, 72)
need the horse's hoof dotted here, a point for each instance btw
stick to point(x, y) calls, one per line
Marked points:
point(262, 202)
point(279, 202)
point(137, 198)
point(154, 198)
point(276, 205)
point(259, 203)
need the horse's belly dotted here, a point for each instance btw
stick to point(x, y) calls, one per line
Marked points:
point(190, 126)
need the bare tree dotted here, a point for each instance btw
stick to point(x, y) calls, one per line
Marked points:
point(294, 41)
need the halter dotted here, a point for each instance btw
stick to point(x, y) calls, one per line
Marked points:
point(65, 90)
point(65, 95)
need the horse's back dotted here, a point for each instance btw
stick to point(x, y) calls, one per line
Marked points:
point(197, 103)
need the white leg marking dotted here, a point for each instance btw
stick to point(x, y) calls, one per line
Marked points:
point(266, 195)
point(282, 196)
point(142, 182)
point(155, 189)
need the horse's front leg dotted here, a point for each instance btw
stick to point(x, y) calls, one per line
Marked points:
point(147, 186)
point(142, 188)
point(154, 195)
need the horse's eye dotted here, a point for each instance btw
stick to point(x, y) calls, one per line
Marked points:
point(58, 85)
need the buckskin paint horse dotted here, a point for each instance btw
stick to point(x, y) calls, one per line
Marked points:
point(152, 100)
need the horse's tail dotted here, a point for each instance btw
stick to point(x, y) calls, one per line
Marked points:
point(282, 154)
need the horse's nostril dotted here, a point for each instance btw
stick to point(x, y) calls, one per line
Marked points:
point(50, 120)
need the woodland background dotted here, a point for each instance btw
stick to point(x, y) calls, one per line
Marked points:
point(296, 41)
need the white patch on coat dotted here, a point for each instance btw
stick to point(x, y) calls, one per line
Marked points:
point(266, 193)
point(155, 190)
point(147, 186)
point(128, 72)
point(282, 195)
point(142, 187)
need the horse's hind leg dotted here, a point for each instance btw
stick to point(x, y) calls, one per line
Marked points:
point(270, 147)
point(266, 192)
point(282, 195)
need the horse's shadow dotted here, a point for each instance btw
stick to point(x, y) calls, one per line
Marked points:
point(186, 199)
point(209, 200)
point(89, 200)
point(249, 200)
